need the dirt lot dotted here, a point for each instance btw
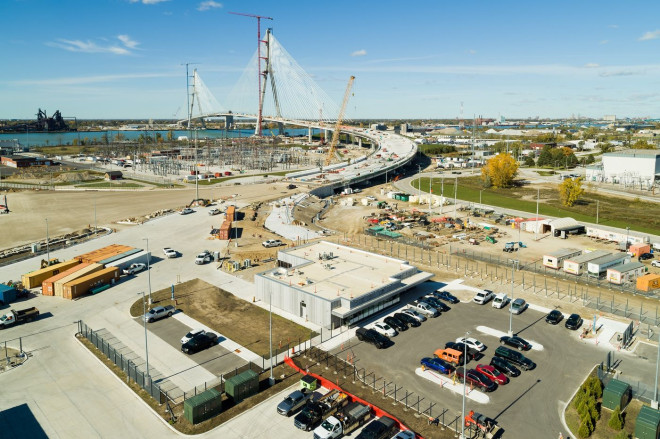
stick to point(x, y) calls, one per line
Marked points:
point(238, 320)
point(68, 211)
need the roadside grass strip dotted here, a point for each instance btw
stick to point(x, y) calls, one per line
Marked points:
point(447, 382)
point(495, 333)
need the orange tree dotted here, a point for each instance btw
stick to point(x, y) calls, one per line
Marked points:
point(499, 171)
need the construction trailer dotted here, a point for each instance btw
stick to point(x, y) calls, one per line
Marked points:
point(622, 274)
point(578, 264)
point(598, 267)
point(648, 282)
point(556, 259)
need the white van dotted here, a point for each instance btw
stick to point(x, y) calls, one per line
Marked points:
point(500, 300)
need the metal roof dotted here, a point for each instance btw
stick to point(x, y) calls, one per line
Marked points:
point(640, 153)
point(627, 267)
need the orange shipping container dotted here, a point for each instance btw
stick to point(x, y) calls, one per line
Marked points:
point(78, 287)
point(639, 249)
point(103, 253)
point(648, 282)
point(58, 285)
point(231, 213)
point(47, 286)
point(34, 279)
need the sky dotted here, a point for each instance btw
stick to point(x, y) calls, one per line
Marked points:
point(122, 59)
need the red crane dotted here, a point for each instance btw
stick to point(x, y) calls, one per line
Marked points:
point(259, 72)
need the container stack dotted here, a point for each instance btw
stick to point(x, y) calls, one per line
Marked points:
point(35, 278)
point(83, 285)
point(53, 285)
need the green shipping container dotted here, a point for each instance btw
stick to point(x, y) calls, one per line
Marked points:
point(308, 382)
point(405, 197)
point(647, 425)
point(201, 407)
point(242, 385)
point(616, 393)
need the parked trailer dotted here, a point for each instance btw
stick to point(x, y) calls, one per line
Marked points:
point(625, 273)
point(556, 259)
point(35, 278)
point(142, 257)
point(578, 264)
point(83, 285)
point(598, 267)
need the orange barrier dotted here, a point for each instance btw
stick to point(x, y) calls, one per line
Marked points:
point(333, 386)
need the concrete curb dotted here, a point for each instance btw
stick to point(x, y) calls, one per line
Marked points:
point(563, 411)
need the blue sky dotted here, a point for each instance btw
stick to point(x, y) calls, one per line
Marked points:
point(122, 58)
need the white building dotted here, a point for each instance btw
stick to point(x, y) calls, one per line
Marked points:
point(333, 285)
point(629, 167)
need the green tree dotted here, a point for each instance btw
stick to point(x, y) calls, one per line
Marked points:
point(170, 135)
point(545, 158)
point(596, 387)
point(642, 144)
point(590, 159)
point(584, 431)
point(570, 190)
point(529, 161)
point(501, 170)
point(616, 420)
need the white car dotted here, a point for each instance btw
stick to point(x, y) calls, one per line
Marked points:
point(135, 268)
point(655, 263)
point(203, 258)
point(186, 211)
point(472, 343)
point(414, 314)
point(170, 253)
point(500, 301)
point(193, 332)
point(384, 329)
point(483, 297)
point(272, 243)
point(214, 211)
point(371, 198)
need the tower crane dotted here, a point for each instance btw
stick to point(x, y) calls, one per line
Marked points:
point(340, 119)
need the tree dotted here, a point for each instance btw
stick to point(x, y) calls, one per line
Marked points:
point(642, 144)
point(529, 161)
point(590, 159)
point(616, 420)
point(545, 158)
point(570, 191)
point(170, 135)
point(501, 170)
point(583, 431)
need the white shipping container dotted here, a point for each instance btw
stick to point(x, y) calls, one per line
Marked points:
point(135, 258)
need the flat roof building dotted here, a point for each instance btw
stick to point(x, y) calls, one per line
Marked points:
point(333, 285)
point(630, 167)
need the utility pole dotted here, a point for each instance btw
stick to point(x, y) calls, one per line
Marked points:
point(144, 320)
point(455, 194)
point(430, 193)
point(47, 245)
point(597, 206)
point(464, 388)
point(259, 72)
point(536, 225)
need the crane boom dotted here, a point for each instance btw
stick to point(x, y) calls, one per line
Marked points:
point(340, 119)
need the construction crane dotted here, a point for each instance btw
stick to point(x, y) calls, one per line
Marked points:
point(340, 119)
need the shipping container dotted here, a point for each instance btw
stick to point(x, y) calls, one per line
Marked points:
point(103, 253)
point(83, 285)
point(647, 424)
point(598, 267)
point(7, 294)
point(625, 273)
point(556, 259)
point(231, 213)
point(47, 286)
point(242, 385)
point(201, 407)
point(141, 257)
point(225, 230)
point(35, 278)
point(578, 264)
point(119, 256)
point(218, 174)
point(648, 282)
point(58, 285)
point(639, 249)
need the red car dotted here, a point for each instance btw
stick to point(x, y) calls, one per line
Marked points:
point(493, 373)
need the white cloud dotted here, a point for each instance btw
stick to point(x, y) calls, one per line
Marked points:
point(613, 26)
point(472, 51)
point(360, 52)
point(651, 35)
point(92, 47)
point(591, 65)
point(79, 80)
point(148, 2)
point(131, 44)
point(209, 4)
point(604, 41)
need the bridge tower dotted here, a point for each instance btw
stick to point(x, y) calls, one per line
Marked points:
point(265, 75)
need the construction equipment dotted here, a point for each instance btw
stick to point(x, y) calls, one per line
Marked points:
point(52, 261)
point(490, 239)
point(340, 119)
point(485, 426)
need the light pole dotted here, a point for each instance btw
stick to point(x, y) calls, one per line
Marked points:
point(430, 193)
point(464, 388)
point(95, 228)
point(419, 184)
point(597, 206)
point(271, 380)
point(47, 245)
point(513, 264)
point(480, 205)
point(536, 222)
point(148, 269)
point(442, 193)
point(455, 194)
point(627, 232)
point(144, 319)
point(654, 403)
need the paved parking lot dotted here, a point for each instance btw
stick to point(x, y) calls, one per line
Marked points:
point(529, 405)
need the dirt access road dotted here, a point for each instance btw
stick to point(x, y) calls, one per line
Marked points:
point(71, 211)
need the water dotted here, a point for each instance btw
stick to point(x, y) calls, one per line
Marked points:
point(96, 137)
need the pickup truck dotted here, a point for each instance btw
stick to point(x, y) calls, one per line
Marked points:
point(158, 313)
point(199, 343)
point(214, 211)
point(424, 308)
point(316, 411)
point(351, 417)
point(272, 243)
point(203, 258)
point(134, 268)
point(18, 317)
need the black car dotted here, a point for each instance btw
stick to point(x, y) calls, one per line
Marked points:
point(515, 357)
point(381, 428)
point(555, 316)
point(574, 321)
point(199, 342)
point(505, 367)
point(408, 319)
point(373, 337)
point(395, 323)
point(519, 343)
point(645, 256)
point(435, 303)
point(446, 296)
point(471, 353)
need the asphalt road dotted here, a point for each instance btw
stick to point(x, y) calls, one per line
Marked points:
point(529, 405)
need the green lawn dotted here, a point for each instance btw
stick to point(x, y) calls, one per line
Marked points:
point(110, 185)
point(643, 217)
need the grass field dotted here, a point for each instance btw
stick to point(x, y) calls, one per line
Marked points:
point(612, 211)
point(236, 319)
point(110, 185)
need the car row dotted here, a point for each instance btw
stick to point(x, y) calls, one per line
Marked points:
point(573, 322)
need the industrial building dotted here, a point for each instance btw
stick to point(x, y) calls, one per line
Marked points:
point(598, 267)
point(556, 259)
point(333, 285)
point(16, 161)
point(629, 167)
point(625, 273)
point(578, 264)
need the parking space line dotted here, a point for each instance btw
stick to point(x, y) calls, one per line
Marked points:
point(447, 383)
point(496, 333)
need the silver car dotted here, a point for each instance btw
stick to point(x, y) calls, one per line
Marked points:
point(293, 402)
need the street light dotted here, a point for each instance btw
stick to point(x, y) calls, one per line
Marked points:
point(47, 245)
point(419, 184)
point(627, 232)
point(271, 380)
point(144, 319)
point(148, 269)
point(464, 388)
point(654, 403)
point(513, 264)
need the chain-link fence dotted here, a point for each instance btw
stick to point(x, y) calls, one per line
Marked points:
point(640, 390)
